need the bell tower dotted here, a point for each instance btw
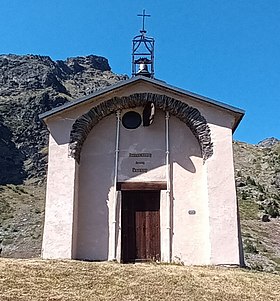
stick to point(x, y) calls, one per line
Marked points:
point(143, 52)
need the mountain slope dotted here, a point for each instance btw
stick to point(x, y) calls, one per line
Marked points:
point(257, 172)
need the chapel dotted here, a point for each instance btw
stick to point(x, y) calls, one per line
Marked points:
point(142, 171)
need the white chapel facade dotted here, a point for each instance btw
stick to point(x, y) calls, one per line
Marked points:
point(139, 171)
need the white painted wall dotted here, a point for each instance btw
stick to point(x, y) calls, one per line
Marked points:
point(60, 196)
point(189, 190)
point(222, 199)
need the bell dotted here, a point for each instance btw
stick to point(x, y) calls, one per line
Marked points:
point(143, 70)
point(143, 67)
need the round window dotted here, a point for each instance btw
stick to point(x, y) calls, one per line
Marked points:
point(131, 120)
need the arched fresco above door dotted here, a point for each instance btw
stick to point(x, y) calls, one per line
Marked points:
point(187, 114)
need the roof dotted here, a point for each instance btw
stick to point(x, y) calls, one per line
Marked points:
point(139, 78)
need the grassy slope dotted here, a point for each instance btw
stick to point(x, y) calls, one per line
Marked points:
point(21, 220)
point(73, 280)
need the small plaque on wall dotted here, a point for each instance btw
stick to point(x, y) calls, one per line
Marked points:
point(192, 212)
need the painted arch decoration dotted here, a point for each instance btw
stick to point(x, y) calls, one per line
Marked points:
point(187, 114)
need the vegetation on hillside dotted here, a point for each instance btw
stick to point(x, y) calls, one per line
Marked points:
point(257, 172)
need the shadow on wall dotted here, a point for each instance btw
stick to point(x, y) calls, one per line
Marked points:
point(11, 159)
point(183, 146)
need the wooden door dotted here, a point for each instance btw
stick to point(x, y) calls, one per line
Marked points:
point(140, 225)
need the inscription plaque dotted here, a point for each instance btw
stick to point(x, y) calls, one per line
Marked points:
point(139, 169)
point(140, 155)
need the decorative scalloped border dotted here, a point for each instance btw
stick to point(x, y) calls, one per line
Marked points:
point(189, 115)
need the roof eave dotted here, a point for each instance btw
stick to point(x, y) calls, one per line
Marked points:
point(237, 121)
point(123, 83)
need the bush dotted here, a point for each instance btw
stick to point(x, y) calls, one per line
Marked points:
point(244, 195)
point(250, 247)
point(251, 181)
point(272, 208)
point(260, 188)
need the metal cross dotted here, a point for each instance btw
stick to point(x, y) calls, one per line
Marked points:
point(143, 15)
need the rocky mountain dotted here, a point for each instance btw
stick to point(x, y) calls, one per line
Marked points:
point(32, 84)
point(268, 142)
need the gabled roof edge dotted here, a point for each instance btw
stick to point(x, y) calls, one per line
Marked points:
point(153, 81)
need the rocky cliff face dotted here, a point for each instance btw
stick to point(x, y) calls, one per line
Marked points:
point(30, 85)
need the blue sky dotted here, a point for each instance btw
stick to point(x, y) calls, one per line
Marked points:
point(228, 50)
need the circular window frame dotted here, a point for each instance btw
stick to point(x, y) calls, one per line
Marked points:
point(131, 120)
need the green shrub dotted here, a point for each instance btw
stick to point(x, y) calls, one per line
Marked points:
point(272, 208)
point(251, 181)
point(260, 188)
point(250, 247)
point(244, 195)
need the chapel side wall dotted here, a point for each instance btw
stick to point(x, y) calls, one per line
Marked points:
point(190, 226)
point(222, 199)
point(59, 208)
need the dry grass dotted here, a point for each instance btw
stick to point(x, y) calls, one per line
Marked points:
point(73, 280)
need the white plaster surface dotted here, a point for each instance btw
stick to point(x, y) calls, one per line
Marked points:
point(222, 200)
point(190, 232)
point(59, 209)
point(95, 198)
